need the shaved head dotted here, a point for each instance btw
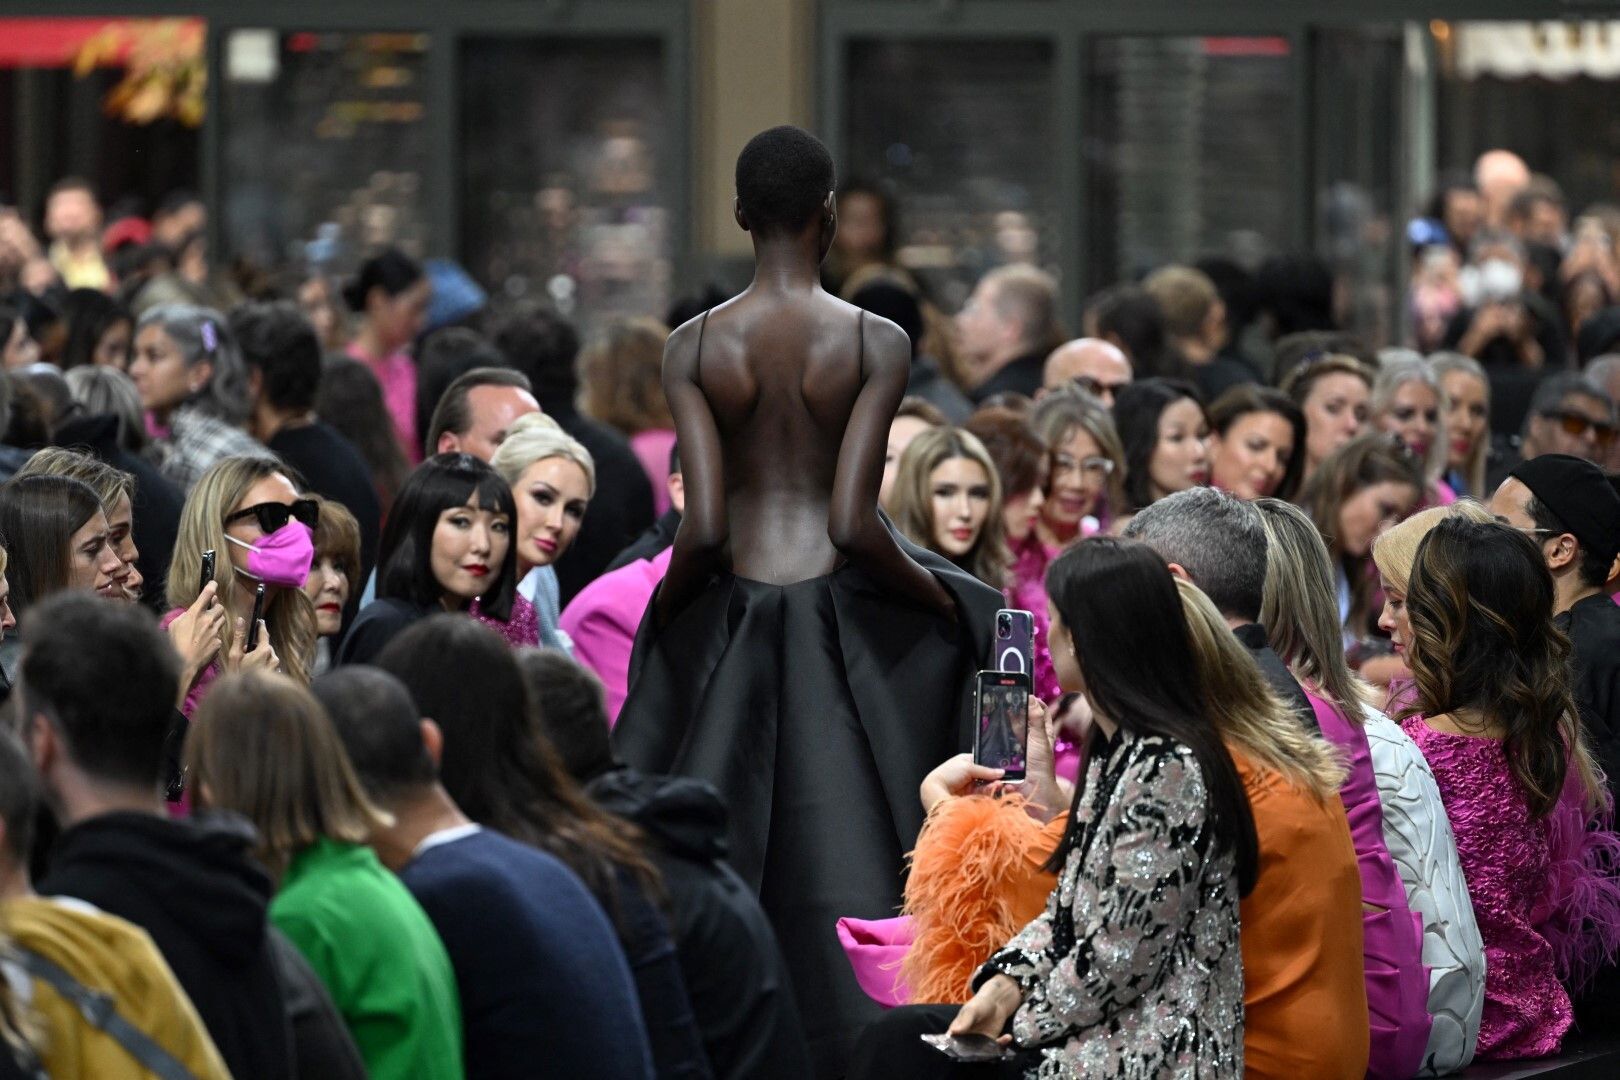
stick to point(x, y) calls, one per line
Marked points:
point(1104, 365)
point(1500, 175)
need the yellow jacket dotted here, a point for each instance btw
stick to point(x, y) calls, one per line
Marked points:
point(116, 958)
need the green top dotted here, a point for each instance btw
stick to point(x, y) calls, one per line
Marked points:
point(380, 958)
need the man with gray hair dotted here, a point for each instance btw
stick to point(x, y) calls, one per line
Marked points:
point(1218, 543)
point(1005, 330)
point(1605, 372)
point(1570, 414)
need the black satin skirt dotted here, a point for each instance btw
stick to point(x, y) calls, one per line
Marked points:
point(816, 709)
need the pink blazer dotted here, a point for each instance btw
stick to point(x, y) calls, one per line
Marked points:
point(602, 622)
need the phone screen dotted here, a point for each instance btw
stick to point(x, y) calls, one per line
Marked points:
point(1002, 729)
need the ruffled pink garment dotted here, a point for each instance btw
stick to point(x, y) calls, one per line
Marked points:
point(1026, 590)
point(521, 631)
point(1392, 936)
point(1545, 893)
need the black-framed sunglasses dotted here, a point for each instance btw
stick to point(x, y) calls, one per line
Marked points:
point(273, 515)
point(1578, 425)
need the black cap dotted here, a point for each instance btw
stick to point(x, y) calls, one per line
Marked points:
point(1580, 495)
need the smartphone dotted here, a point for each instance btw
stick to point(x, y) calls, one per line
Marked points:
point(258, 613)
point(968, 1047)
point(1015, 641)
point(1001, 734)
point(207, 574)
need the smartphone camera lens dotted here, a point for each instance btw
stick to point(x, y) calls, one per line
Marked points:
point(1003, 626)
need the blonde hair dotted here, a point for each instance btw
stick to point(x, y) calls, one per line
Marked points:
point(1396, 550)
point(107, 482)
point(1247, 713)
point(913, 505)
point(536, 437)
point(262, 746)
point(289, 614)
point(1300, 611)
point(621, 370)
point(1443, 364)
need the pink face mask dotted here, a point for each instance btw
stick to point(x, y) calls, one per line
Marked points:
point(282, 557)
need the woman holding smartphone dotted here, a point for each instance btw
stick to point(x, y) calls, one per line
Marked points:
point(260, 528)
point(447, 547)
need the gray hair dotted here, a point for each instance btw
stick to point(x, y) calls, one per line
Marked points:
point(106, 391)
point(1395, 372)
point(200, 333)
point(1555, 388)
point(1219, 540)
point(1603, 368)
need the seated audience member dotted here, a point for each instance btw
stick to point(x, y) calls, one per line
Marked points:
point(194, 385)
point(284, 372)
point(621, 370)
point(70, 955)
point(947, 498)
point(18, 349)
point(539, 970)
point(1023, 464)
point(447, 547)
point(601, 622)
point(262, 747)
point(1256, 443)
point(477, 410)
point(1129, 319)
point(111, 428)
point(1404, 845)
point(1333, 391)
point(506, 777)
point(1360, 491)
point(1164, 431)
point(260, 528)
point(56, 537)
point(99, 330)
point(914, 417)
point(351, 402)
point(1571, 511)
point(661, 534)
point(446, 355)
point(1006, 329)
point(1494, 717)
point(116, 491)
point(333, 575)
point(389, 297)
point(1068, 996)
point(734, 971)
point(1408, 404)
point(553, 479)
point(99, 684)
point(1195, 319)
point(1467, 426)
point(1218, 542)
point(891, 299)
point(1086, 489)
point(545, 346)
point(1570, 414)
point(1095, 366)
point(318, 298)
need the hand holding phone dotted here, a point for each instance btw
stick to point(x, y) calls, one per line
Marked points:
point(258, 615)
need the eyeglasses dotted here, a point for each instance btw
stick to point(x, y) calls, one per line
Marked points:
point(1099, 466)
point(273, 515)
point(1577, 425)
point(1096, 387)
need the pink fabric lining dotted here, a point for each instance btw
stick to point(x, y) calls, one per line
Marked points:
point(875, 948)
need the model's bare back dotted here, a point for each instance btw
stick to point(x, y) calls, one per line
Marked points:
point(780, 374)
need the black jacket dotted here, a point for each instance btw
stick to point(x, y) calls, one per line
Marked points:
point(1277, 675)
point(193, 887)
point(734, 971)
point(156, 508)
point(323, 1048)
point(1021, 376)
point(1593, 626)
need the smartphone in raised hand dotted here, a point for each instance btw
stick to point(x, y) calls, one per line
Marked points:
point(1001, 722)
point(207, 574)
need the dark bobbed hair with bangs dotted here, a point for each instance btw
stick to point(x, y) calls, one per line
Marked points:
point(405, 555)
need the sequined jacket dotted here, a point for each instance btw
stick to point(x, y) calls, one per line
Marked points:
point(1134, 968)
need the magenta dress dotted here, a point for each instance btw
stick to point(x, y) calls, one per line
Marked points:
point(1392, 936)
point(1547, 907)
point(396, 375)
point(521, 631)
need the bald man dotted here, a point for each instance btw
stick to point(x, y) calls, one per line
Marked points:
point(1102, 368)
point(1500, 175)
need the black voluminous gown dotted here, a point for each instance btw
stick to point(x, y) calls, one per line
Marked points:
point(816, 709)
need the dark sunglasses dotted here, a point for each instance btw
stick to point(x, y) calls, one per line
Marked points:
point(1578, 426)
point(1096, 387)
point(273, 515)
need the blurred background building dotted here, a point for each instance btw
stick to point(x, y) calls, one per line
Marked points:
point(581, 149)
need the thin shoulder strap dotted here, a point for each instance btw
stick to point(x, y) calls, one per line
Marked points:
point(860, 339)
point(697, 360)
